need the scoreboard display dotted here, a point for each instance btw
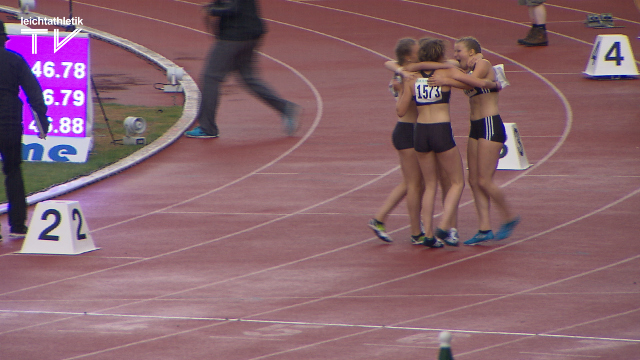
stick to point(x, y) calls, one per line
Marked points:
point(65, 81)
point(64, 75)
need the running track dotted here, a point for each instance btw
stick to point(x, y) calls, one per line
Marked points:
point(254, 246)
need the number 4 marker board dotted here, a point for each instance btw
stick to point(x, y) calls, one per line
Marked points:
point(611, 56)
point(58, 227)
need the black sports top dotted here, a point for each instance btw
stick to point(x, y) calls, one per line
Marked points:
point(429, 95)
point(478, 91)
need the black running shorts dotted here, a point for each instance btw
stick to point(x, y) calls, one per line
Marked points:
point(402, 136)
point(436, 137)
point(490, 128)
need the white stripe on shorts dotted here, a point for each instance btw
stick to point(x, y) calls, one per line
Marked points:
point(488, 125)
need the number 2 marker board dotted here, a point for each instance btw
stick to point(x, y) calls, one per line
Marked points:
point(611, 56)
point(58, 227)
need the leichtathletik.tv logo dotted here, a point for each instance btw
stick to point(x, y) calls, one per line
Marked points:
point(38, 21)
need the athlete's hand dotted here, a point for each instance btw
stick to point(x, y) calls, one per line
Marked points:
point(409, 76)
point(437, 80)
point(471, 63)
point(395, 85)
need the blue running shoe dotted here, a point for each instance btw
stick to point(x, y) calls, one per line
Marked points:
point(507, 229)
point(198, 133)
point(479, 237)
point(290, 119)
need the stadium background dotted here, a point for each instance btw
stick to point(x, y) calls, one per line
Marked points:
point(255, 245)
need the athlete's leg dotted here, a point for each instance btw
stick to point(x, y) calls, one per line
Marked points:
point(428, 168)
point(481, 199)
point(393, 199)
point(451, 162)
point(445, 185)
point(488, 156)
point(414, 187)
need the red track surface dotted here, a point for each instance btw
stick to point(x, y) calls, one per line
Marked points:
point(254, 245)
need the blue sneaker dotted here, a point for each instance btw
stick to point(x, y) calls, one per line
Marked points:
point(198, 133)
point(479, 237)
point(290, 119)
point(507, 228)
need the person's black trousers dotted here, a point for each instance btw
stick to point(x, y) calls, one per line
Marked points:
point(11, 151)
point(224, 57)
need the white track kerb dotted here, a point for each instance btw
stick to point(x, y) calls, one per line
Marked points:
point(189, 111)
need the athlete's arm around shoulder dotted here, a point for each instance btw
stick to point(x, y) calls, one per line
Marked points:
point(431, 65)
point(469, 79)
point(406, 96)
point(392, 65)
point(483, 70)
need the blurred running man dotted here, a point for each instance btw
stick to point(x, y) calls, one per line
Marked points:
point(238, 34)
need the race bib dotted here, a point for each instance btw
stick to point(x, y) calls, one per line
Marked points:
point(426, 94)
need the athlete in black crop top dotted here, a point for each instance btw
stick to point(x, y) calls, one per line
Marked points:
point(433, 150)
point(485, 142)
point(481, 152)
point(429, 95)
point(411, 185)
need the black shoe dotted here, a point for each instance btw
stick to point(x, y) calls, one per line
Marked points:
point(417, 239)
point(18, 232)
point(432, 242)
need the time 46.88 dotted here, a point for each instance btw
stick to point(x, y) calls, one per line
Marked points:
point(65, 125)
